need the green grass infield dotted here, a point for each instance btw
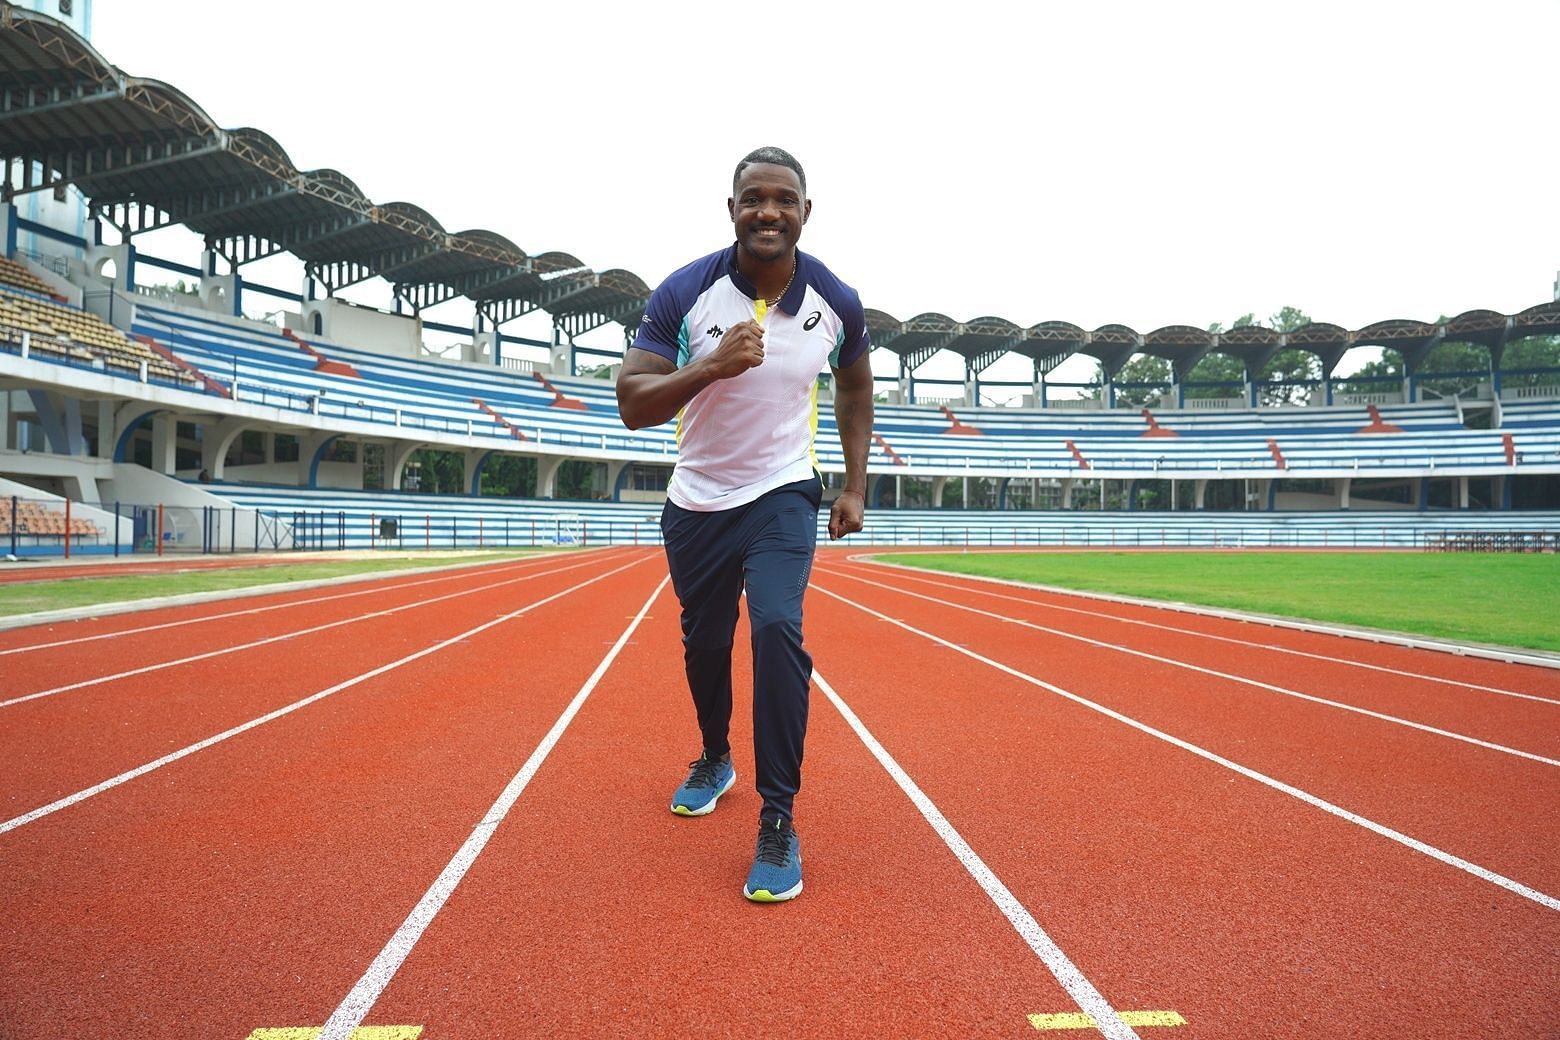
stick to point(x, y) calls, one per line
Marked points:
point(59, 591)
point(1509, 600)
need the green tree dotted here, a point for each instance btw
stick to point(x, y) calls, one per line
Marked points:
point(1456, 368)
point(1222, 369)
point(1532, 352)
point(1371, 378)
point(1219, 368)
point(1288, 319)
point(1143, 368)
point(1087, 495)
point(1286, 372)
point(438, 472)
point(1249, 318)
point(917, 492)
point(509, 476)
point(1452, 369)
point(1282, 379)
point(581, 479)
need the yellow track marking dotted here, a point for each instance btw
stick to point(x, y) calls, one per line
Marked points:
point(360, 1033)
point(1079, 1020)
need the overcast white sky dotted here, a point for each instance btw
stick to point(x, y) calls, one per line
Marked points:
point(1147, 163)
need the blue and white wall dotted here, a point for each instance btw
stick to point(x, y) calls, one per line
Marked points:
point(69, 215)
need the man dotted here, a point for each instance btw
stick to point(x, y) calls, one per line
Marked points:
point(732, 345)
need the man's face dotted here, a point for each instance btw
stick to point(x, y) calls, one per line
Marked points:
point(768, 210)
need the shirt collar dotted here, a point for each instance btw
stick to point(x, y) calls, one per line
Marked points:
point(791, 302)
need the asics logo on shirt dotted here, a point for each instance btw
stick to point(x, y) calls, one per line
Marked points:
point(812, 320)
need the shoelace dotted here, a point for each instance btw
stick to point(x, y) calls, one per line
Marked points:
point(774, 843)
point(704, 770)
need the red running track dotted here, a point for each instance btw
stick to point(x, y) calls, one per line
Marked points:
point(1216, 845)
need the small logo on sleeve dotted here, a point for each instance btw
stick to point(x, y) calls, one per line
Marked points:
point(714, 332)
point(812, 321)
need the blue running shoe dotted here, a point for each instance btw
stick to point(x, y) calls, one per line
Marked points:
point(777, 863)
point(708, 779)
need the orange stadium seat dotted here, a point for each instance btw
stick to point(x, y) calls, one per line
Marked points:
point(64, 331)
point(13, 273)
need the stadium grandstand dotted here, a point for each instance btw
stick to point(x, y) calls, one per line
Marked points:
point(132, 415)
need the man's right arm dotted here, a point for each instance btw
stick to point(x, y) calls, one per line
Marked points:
point(651, 389)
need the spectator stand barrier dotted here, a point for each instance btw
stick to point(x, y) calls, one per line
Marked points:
point(270, 519)
point(62, 528)
point(32, 528)
point(56, 527)
point(1494, 541)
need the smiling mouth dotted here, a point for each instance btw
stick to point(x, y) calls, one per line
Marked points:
point(768, 232)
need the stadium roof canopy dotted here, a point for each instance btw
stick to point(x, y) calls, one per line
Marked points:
point(146, 156)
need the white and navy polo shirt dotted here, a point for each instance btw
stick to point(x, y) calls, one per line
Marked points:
point(741, 437)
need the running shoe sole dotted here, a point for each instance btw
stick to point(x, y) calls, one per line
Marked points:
point(763, 895)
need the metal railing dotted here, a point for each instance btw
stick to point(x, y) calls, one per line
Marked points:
point(54, 527)
point(60, 527)
point(1494, 541)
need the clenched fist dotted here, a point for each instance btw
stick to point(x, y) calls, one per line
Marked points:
point(741, 348)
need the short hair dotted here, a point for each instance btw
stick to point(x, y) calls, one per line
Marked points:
point(771, 156)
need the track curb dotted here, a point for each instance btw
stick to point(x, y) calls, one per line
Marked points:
point(131, 606)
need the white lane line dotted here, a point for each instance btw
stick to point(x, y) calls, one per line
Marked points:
point(1278, 785)
point(1084, 994)
point(1422, 727)
point(142, 770)
point(913, 574)
point(528, 576)
point(357, 1004)
point(1504, 654)
point(465, 572)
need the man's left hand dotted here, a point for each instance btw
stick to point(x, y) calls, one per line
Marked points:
point(845, 516)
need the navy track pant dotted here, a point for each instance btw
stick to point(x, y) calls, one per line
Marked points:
point(767, 548)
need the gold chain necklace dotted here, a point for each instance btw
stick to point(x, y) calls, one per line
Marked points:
point(761, 306)
point(781, 295)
